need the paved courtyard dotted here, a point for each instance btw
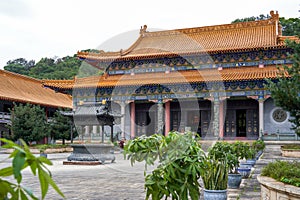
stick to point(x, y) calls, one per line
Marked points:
point(121, 181)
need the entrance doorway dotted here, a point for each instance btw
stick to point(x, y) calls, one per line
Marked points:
point(241, 123)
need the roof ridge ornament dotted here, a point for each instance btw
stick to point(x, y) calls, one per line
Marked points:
point(275, 19)
point(143, 30)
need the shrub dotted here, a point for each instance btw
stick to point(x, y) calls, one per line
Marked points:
point(284, 171)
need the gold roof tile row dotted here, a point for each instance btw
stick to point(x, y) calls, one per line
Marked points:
point(173, 77)
point(19, 88)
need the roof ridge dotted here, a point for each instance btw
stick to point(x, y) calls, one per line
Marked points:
point(14, 74)
point(57, 80)
point(211, 28)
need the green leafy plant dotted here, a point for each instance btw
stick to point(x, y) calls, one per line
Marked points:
point(258, 145)
point(214, 173)
point(241, 149)
point(225, 152)
point(251, 153)
point(180, 158)
point(21, 159)
point(284, 171)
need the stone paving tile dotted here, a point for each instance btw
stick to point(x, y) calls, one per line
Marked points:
point(121, 181)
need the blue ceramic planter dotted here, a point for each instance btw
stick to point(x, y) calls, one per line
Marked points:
point(252, 162)
point(215, 194)
point(258, 154)
point(245, 165)
point(234, 181)
point(245, 172)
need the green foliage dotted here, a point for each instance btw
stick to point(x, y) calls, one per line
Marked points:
point(290, 26)
point(284, 171)
point(225, 152)
point(286, 91)
point(29, 123)
point(86, 70)
point(21, 159)
point(145, 148)
point(61, 127)
point(214, 174)
point(180, 158)
point(291, 147)
point(61, 68)
point(20, 66)
point(253, 18)
point(53, 68)
point(231, 153)
point(258, 145)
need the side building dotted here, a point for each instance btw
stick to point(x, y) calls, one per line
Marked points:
point(19, 89)
point(209, 80)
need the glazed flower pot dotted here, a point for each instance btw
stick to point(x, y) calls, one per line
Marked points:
point(215, 194)
point(245, 165)
point(258, 154)
point(252, 162)
point(234, 181)
point(245, 172)
point(43, 155)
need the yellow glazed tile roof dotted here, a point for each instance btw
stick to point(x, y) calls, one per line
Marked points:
point(19, 88)
point(173, 77)
point(219, 38)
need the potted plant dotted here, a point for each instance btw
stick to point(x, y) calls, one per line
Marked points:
point(259, 146)
point(42, 148)
point(224, 151)
point(180, 164)
point(250, 157)
point(214, 174)
point(243, 151)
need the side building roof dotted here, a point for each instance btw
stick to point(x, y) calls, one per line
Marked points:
point(23, 89)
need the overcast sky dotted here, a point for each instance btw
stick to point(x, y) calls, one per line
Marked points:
point(33, 29)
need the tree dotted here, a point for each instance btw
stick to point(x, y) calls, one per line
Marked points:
point(61, 127)
point(29, 123)
point(290, 26)
point(286, 91)
point(20, 66)
point(253, 18)
point(47, 68)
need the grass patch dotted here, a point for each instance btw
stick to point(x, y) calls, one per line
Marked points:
point(50, 146)
point(284, 171)
point(291, 147)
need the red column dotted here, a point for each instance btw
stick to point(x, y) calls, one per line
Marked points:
point(132, 120)
point(221, 119)
point(167, 118)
